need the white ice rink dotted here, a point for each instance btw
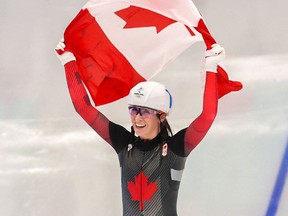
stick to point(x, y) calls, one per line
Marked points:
point(53, 164)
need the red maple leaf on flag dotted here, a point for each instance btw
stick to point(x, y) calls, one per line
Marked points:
point(141, 190)
point(137, 17)
point(140, 17)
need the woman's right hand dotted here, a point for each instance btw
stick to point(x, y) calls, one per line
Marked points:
point(64, 56)
point(213, 57)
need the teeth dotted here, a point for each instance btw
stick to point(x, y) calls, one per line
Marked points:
point(140, 125)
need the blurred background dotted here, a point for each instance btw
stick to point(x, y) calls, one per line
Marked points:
point(52, 163)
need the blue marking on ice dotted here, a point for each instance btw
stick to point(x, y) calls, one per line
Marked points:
point(279, 185)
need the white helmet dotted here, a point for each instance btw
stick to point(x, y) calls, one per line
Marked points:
point(151, 94)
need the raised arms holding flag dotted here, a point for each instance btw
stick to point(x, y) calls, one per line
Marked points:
point(152, 158)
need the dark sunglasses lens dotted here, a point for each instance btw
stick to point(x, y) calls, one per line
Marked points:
point(133, 111)
point(146, 113)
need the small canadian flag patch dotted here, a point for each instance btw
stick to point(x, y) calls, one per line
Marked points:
point(164, 149)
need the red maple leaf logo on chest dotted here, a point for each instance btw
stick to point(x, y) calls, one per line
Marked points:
point(142, 190)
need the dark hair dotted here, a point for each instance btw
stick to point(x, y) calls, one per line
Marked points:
point(166, 129)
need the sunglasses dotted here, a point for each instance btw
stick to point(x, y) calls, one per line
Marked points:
point(144, 112)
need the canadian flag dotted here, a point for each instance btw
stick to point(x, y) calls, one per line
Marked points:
point(118, 43)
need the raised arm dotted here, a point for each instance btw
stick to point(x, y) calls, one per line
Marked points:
point(79, 94)
point(200, 126)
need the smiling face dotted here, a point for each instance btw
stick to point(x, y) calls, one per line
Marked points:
point(146, 122)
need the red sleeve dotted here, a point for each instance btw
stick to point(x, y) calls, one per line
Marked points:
point(200, 126)
point(82, 102)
